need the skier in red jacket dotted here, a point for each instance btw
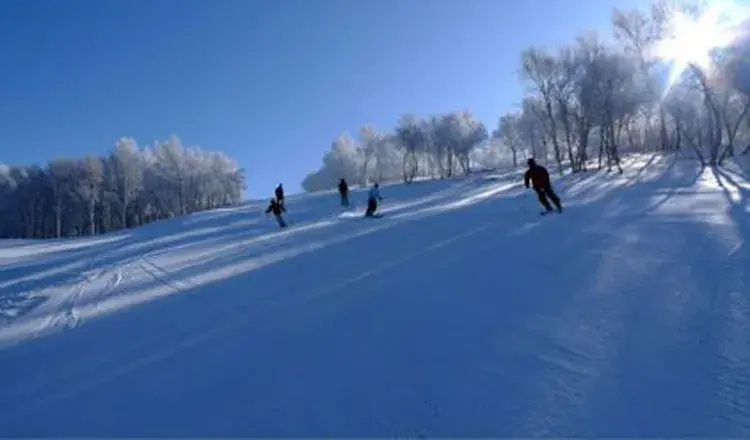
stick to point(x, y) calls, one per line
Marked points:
point(539, 178)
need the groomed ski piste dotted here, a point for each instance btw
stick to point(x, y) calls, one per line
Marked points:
point(460, 313)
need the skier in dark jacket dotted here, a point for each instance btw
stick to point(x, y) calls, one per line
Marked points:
point(280, 194)
point(344, 193)
point(539, 178)
point(277, 208)
point(372, 200)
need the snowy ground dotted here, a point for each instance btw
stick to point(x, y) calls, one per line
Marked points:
point(460, 313)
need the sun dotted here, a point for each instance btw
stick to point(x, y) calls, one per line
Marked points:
point(690, 41)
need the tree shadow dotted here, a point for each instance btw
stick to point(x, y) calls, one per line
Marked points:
point(739, 171)
point(641, 170)
point(738, 206)
point(589, 186)
point(675, 180)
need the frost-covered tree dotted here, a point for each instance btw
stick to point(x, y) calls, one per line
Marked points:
point(129, 187)
point(61, 178)
point(651, 88)
point(126, 167)
point(88, 185)
point(508, 133)
point(438, 145)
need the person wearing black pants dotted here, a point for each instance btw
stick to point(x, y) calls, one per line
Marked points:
point(344, 193)
point(539, 178)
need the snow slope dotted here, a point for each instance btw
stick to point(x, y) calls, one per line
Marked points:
point(460, 313)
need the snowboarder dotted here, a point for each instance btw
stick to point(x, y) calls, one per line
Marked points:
point(280, 194)
point(372, 200)
point(344, 193)
point(540, 180)
point(277, 208)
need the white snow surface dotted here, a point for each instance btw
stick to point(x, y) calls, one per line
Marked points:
point(461, 312)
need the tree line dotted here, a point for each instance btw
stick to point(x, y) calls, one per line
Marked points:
point(130, 186)
point(585, 104)
point(435, 146)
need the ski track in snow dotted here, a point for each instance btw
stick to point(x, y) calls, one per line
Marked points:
point(460, 313)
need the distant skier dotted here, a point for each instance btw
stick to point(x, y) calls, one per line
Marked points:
point(277, 208)
point(280, 194)
point(540, 180)
point(372, 200)
point(344, 193)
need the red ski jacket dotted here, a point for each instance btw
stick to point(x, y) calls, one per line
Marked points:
point(538, 175)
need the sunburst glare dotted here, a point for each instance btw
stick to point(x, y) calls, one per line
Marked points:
point(690, 40)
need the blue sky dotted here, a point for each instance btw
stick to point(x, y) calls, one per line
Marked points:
point(270, 82)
